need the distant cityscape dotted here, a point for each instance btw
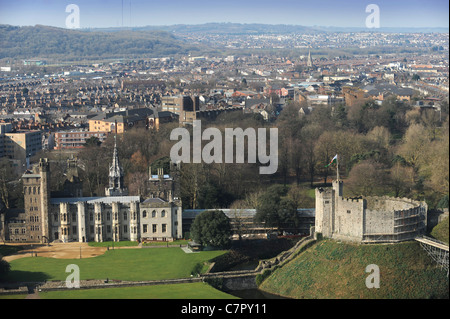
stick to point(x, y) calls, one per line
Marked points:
point(86, 154)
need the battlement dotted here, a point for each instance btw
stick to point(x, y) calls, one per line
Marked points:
point(363, 219)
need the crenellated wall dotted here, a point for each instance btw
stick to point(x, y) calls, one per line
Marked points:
point(371, 219)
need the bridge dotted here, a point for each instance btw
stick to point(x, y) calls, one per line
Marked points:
point(436, 250)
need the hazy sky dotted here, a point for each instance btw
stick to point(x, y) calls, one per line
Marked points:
point(340, 13)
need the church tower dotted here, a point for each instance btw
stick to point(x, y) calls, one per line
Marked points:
point(116, 185)
point(309, 62)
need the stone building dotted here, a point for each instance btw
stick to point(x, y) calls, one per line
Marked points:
point(368, 220)
point(115, 217)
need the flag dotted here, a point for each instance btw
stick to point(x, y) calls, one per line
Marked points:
point(333, 161)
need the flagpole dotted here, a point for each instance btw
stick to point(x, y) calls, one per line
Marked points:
point(337, 166)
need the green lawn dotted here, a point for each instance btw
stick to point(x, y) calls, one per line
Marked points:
point(111, 244)
point(120, 264)
point(196, 290)
point(177, 291)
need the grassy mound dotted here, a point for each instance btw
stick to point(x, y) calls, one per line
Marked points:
point(333, 270)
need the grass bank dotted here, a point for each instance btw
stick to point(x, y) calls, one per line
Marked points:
point(333, 270)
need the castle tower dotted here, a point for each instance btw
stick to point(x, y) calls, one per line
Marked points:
point(44, 170)
point(36, 192)
point(116, 185)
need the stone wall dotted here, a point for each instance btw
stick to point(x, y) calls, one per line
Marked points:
point(349, 218)
point(371, 219)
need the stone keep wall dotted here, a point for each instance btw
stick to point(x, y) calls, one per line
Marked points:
point(349, 218)
point(371, 219)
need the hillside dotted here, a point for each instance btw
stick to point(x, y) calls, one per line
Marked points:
point(51, 42)
point(333, 270)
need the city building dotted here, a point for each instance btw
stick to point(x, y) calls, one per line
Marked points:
point(119, 122)
point(184, 106)
point(76, 139)
point(19, 146)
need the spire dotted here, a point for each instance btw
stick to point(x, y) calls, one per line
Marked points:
point(116, 186)
point(309, 63)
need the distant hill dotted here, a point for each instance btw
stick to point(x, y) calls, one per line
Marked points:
point(334, 270)
point(233, 28)
point(46, 42)
point(257, 28)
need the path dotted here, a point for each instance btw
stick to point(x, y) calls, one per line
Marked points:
point(59, 250)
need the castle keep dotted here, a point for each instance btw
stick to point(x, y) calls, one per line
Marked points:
point(367, 220)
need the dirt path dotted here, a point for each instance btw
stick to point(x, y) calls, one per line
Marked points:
point(59, 250)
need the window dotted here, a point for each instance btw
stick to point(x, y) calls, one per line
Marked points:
point(154, 228)
point(144, 214)
point(74, 229)
point(144, 228)
point(163, 213)
point(108, 228)
point(164, 228)
point(91, 217)
point(125, 216)
point(108, 216)
point(125, 229)
point(349, 211)
point(154, 214)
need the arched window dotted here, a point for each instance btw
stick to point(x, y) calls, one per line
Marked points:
point(163, 213)
point(144, 214)
point(154, 213)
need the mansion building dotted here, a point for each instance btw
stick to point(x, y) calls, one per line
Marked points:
point(114, 217)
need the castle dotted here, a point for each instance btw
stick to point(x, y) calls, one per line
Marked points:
point(114, 217)
point(367, 220)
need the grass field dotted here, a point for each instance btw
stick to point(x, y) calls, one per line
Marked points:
point(110, 244)
point(333, 270)
point(113, 244)
point(119, 264)
point(175, 291)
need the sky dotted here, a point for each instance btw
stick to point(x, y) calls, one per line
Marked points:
point(135, 13)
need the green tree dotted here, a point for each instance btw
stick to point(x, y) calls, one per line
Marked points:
point(4, 267)
point(92, 141)
point(212, 228)
point(276, 209)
